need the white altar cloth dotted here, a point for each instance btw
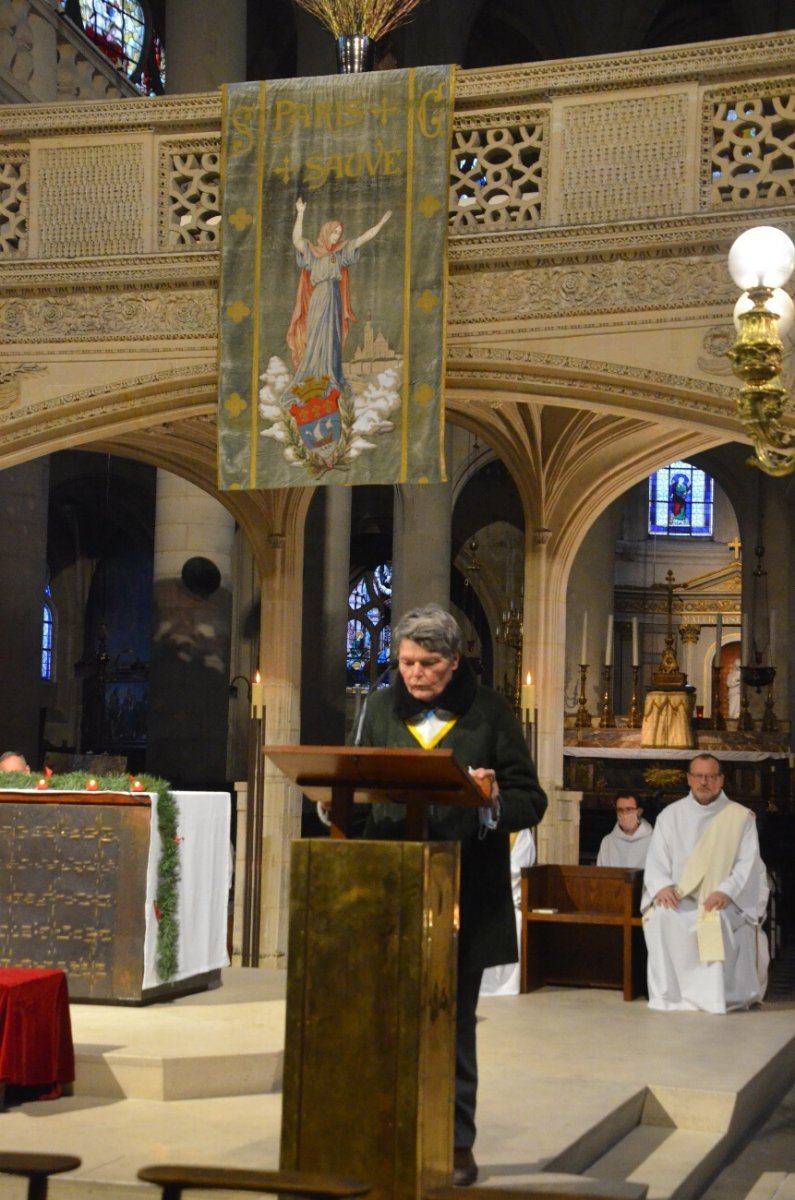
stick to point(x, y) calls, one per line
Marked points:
point(203, 830)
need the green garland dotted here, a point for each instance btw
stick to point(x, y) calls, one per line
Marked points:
point(168, 866)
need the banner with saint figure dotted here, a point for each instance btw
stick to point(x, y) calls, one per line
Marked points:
point(333, 279)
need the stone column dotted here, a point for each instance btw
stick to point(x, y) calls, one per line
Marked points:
point(23, 560)
point(326, 589)
point(189, 681)
point(206, 44)
point(282, 579)
point(421, 546)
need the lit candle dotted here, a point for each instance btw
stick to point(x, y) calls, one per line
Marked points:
point(257, 697)
point(136, 786)
point(91, 785)
point(609, 642)
point(529, 699)
point(42, 785)
point(584, 651)
point(635, 655)
point(744, 647)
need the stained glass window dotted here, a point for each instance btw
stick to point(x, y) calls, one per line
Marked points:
point(122, 30)
point(680, 501)
point(46, 637)
point(369, 613)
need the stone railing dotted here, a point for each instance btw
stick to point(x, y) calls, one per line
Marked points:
point(44, 57)
point(661, 136)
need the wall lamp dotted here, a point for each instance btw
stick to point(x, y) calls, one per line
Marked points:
point(760, 263)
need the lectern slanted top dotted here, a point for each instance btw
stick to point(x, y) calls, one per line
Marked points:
point(345, 775)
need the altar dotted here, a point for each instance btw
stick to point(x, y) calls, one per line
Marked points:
point(79, 890)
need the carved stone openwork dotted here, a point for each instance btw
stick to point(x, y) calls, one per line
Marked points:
point(190, 184)
point(752, 159)
point(497, 175)
point(14, 171)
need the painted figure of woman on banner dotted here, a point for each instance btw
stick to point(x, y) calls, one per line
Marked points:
point(317, 413)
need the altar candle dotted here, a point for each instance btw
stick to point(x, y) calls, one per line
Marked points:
point(584, 651)
point(42, 785)
point(257, 697)
point(91, 785)
point(136, 786)
point(529, 699)
point(635, 655)
point(609, 642)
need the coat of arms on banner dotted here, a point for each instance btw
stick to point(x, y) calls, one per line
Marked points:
point(333, 280)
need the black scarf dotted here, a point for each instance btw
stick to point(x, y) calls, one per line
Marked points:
point(456, 698)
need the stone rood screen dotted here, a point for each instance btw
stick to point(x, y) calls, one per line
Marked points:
point(332, 304)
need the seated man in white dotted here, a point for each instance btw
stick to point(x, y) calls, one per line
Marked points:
point(704, 897)
point(505, 980)
point(628, 843)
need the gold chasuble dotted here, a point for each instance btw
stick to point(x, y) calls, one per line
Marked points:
point(333, 279)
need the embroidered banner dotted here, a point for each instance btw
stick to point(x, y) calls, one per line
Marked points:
point(333, 279)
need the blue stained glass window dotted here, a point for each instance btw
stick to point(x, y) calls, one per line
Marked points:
point(680, 501)
point(46, 638)
point(369, 632)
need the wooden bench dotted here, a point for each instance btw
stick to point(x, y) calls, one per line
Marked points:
point(581, 926)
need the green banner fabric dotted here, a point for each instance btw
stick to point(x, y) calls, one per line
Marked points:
point(333, 279)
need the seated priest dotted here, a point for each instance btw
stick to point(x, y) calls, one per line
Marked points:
point(628, 842)
point(12, 761)
point(704, 898)
point(436, 701)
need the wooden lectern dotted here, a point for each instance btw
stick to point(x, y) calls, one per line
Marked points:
point(369, 1061)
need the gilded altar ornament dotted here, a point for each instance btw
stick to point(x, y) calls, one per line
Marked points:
point(761, 261)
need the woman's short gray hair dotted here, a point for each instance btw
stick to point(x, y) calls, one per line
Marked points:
point(431, 627)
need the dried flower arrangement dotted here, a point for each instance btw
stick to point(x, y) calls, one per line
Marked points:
point(368, 18)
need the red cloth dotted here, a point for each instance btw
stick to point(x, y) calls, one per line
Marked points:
point(35, 1028)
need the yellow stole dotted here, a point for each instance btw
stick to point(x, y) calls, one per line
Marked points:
point(710, 861)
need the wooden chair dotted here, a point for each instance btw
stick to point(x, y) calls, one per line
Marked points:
point(36, 1168)
point(173, 1180)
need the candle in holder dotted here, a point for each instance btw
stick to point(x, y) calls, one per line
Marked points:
point(635, 655)
point(257, 697)
point(584, 650)
point(136, 786)
point(42, 785)
point(609, 642)
point(92, 785)
point(529, 699)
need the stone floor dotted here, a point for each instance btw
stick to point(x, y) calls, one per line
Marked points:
point(574, 1082)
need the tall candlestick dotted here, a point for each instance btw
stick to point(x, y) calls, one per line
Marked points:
point(635, 654)
point(584, 650)
point(609, 642)
point(257, 697)
point(529, 699)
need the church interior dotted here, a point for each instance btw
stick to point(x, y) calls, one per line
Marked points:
point(606, 536)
